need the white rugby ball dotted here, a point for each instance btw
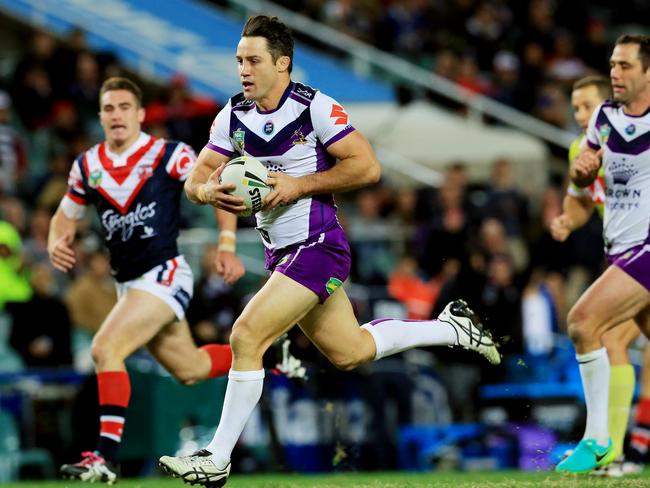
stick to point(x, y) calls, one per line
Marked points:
point(249, 176)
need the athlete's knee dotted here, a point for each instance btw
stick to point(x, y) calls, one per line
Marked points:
point(186, 377)
point(102, 349)
point(581, 326)
point(244, 339)
point(346, 362)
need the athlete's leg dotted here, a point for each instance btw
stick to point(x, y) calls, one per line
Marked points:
point(279, 305)
point(334, 329)
point(613, 298)
point(621, 382)
point(175, 349)
point(134, 320)
point(618, 341)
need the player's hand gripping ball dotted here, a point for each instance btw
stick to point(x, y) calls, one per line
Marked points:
point(249, 177)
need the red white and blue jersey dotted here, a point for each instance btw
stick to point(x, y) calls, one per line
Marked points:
point(137, 197)
point(293, 138)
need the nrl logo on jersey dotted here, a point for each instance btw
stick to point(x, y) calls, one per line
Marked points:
point(95, 178)
point(605, 129)
point(238, 137)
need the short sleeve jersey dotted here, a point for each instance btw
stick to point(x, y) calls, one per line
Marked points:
point(293, 139)
point(625, 141)
point(137, 197)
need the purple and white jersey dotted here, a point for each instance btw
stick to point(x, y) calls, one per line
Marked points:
point(292, 139)
point(625, 140)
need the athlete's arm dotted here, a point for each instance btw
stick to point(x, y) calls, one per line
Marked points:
point(60, 239)
point(202, 185)
point(576, 212)
point(228, 263)
point(357, 166)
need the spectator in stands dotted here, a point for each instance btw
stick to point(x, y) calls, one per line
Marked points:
point(13, 154)
point(184, 114)
point(14, 285)
point(445, 236)
point(369, 239)
point(564, 66)
point(505, 84)
point(214, 306)
point(35, 246)
point(83, 91)
point(33, 97)
point(354, 18)
point(470, 78)
point(407, 286)
point(505, 201)
point(91, 296)
point(484, 31)
point(13, 211)
point(501, 302)
point(539, 317)
point(40, 330)
point(52, 186)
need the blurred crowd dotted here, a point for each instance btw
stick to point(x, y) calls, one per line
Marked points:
point(525, 54)
point(49, 100)
point(414, 248)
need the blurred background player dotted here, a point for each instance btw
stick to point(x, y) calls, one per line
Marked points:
point(135, 182)
point(615, 141)
point(578, 206)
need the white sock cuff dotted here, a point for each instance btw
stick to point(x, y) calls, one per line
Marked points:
point(379, 347)
point(591, 356)
point(246, 375)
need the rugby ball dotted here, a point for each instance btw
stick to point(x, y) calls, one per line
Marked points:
point(249, 177)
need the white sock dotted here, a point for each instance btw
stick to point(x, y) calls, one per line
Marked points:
point(594, 371)
point(396, 335)
point(242, 394)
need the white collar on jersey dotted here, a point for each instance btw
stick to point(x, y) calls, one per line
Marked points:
point(121, 159)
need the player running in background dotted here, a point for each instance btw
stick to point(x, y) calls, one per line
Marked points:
point(578, 206)
point(305, 138)
point(617, 140)
point(135, 182)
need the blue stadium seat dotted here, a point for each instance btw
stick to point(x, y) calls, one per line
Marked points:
point(13, 458)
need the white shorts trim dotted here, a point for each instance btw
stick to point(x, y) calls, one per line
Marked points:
point(172, 282)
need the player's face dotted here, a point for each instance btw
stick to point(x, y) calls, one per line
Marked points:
point(121, 117)
point(258, 73)
point(627, 74)
point(584, 101)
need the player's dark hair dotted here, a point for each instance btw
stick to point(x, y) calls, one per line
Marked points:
point(278, 36)
point(644, 46)
point(119, 83)
point(602, 84)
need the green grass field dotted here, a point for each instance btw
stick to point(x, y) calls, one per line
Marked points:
point(382, 480)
